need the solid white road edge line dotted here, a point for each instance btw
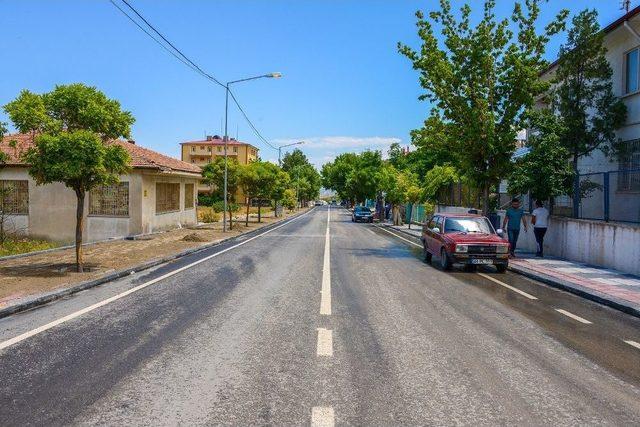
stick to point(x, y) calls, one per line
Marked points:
point(399, 237)
point(633, 343)
point(90, 308)
point(322, 417)
point(325, 293)
point(494, 280)
point(573, 316)
point(325, 342)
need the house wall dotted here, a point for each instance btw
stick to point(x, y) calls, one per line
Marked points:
point(153, 222)
point(52, 210)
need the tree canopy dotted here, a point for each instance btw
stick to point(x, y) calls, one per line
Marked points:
point(479, 81)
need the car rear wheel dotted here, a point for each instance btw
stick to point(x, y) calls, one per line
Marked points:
point(445, 263)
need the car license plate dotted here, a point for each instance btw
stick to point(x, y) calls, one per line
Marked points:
point(481, 261)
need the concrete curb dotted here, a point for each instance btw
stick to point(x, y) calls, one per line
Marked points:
point(41, 299)
point(581, 291)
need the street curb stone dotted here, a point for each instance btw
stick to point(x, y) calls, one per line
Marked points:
point(608, 300)
point(42, 299)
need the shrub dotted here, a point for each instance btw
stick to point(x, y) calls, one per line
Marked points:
point(207, 215)
point(218, 206)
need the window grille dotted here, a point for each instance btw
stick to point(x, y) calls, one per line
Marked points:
point(167, 197)
point(110, 200)
point(14, 197)
point(188, 196)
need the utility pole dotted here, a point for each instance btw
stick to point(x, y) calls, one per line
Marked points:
point(226, 136)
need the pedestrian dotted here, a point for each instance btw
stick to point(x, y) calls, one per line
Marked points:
point(512, 219)
point(540, 222)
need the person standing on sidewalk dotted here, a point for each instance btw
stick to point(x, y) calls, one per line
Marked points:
point(512, 219)
point(540, 221)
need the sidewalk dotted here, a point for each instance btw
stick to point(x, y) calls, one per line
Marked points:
point(608, 287)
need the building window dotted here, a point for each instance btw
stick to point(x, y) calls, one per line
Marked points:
point(632, 68)
point(219, 149)
point(14, 197)
point(189, 200)
point(110, 200)
point(209, 149)
point(167, 197)
point(235, 149)
point(629, 166)
point(193, 149)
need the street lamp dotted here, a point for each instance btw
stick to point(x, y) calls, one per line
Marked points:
point(275, 75)
point(284, 146)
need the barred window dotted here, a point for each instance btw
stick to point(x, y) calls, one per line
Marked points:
point(14, 196)
point(110, 200)
point(188, 196)
point(629, 165)
point(167, 197)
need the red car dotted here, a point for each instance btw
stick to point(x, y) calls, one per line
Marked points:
point(465, 239)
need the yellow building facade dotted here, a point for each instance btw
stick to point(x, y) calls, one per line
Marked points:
point(204, 151)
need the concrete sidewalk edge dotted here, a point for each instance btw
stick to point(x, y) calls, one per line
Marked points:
point(590, 294)
point(42, 299)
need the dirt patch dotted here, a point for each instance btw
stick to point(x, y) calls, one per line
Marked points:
point(38, 273)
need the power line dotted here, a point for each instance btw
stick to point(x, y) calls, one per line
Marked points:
point(180, 56)
point(172, 46)
point(258, 134)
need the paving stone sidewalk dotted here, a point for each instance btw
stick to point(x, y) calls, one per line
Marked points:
point(607, 286)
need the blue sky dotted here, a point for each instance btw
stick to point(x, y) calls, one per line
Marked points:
point(345, 87)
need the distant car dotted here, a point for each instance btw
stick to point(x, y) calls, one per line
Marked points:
point(318, 203)
point(464, 239)
point(361, 213)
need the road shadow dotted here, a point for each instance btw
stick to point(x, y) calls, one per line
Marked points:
point(44, 269)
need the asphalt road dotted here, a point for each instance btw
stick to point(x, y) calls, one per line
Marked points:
point(280, 328)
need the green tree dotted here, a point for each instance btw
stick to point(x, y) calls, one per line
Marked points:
point(213, 175)
point(259, 180)
point(480, 80)
point(289, 200)
point(304, 176)
point(72, 125)
point(545, 170)
point(583, 95)
point(336, 173)
point(81, 161)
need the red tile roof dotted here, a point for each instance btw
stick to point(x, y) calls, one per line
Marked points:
point(140, 157)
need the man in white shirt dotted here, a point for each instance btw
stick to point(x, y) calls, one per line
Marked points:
point(540, 221)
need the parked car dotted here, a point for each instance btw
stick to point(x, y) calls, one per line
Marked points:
point(361, 213)
point(464, 239)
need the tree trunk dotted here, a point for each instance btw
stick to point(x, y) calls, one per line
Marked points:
point(259, 213)
point(396, 214)
point(485, 199)
point(246, 224)
point(410, 214)
point(79, 229)
point(230, 216)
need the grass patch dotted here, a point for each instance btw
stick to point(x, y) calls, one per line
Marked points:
point(14, 246)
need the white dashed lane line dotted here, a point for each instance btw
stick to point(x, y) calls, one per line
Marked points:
point(633, 343)
point(574, 316)
point(494, 280)
point(322, 416)
point(325, 342)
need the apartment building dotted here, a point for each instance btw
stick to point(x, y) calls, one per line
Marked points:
point(204, 151)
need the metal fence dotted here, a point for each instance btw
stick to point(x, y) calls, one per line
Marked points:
point(607, 196)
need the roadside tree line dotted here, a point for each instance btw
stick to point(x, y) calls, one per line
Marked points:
point(297, 181)
point(483, 83)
